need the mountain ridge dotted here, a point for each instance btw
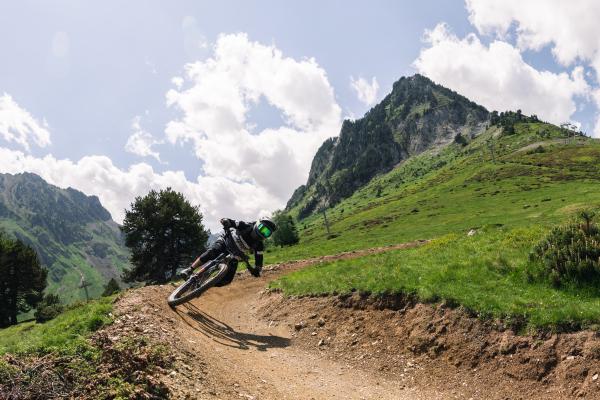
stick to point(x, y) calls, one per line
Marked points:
point(72, 233)
point(416, 116)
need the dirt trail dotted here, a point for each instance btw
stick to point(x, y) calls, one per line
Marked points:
point(262, 361)
point(238, 342)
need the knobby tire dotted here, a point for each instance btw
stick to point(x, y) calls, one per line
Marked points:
point(179, 295)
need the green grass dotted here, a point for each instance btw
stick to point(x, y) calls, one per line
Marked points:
point(456, 189)
point(64, 334)
point(486, 273)
point(90, 368)
point(442, 195)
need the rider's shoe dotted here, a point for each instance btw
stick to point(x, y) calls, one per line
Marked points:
point(254, 271)
point(186, 273)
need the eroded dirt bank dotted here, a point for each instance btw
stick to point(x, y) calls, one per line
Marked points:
point(241, 342)
point(425, 345)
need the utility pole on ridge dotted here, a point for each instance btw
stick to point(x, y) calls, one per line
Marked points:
point(84, 285)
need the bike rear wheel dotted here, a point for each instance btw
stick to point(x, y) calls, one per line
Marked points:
point(197, 284)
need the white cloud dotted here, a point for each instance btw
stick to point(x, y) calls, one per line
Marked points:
point(596, 96)
point(177, 81)
point(571, 29)
point(140, 142)
point(19, 126)
point(366, 92)
point(497, 77)
point(117, 188)
point(223, 89)
point(244, 174)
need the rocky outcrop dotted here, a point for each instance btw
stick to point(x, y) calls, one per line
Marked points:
point(416, 116)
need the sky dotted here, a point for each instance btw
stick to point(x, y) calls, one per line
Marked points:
point(227, 102)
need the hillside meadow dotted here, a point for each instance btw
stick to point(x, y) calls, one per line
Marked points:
point(507, 190)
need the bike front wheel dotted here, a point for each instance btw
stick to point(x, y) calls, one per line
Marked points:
point(197, 284)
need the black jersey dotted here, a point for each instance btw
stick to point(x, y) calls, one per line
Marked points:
point(249, 241)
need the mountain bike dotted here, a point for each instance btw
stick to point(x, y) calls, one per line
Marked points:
point(208, 275)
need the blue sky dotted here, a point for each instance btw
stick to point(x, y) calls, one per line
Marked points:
point(92, 75)
point(122, 55)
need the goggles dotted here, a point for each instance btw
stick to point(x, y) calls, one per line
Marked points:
point(264, 231)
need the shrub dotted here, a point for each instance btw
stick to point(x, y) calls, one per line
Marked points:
point(111, 287)
point(49, 308)
point(460, 139)
point(100, 369)
point(570, 253)
point(536, 150)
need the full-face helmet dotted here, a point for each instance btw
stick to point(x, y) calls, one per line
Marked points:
point(264, 228)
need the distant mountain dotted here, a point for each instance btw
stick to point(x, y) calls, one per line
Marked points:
point(416, 116)
point(213, 238)
point(72, 233)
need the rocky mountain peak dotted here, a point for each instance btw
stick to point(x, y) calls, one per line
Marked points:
point(416, 116)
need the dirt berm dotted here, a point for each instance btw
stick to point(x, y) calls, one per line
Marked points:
point(242, 342)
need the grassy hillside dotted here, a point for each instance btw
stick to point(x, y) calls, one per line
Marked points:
point(70, 262)
point(458, 188)
point(65, 334)
point(509, 188)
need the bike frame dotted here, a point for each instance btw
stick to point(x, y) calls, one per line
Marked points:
point(210, 264)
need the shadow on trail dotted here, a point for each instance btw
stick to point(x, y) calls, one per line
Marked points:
point(224, 334)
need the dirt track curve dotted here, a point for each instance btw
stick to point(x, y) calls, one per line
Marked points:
point(261, 359)
point(226, 348)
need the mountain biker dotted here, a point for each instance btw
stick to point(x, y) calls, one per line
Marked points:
point(246, 237)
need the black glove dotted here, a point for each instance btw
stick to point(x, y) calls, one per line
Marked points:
point(227, 223)
point(254, 271)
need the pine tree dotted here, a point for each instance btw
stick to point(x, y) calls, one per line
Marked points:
point(286, 233)
point(48, 308)
point(22, 279)
point(164, 232)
